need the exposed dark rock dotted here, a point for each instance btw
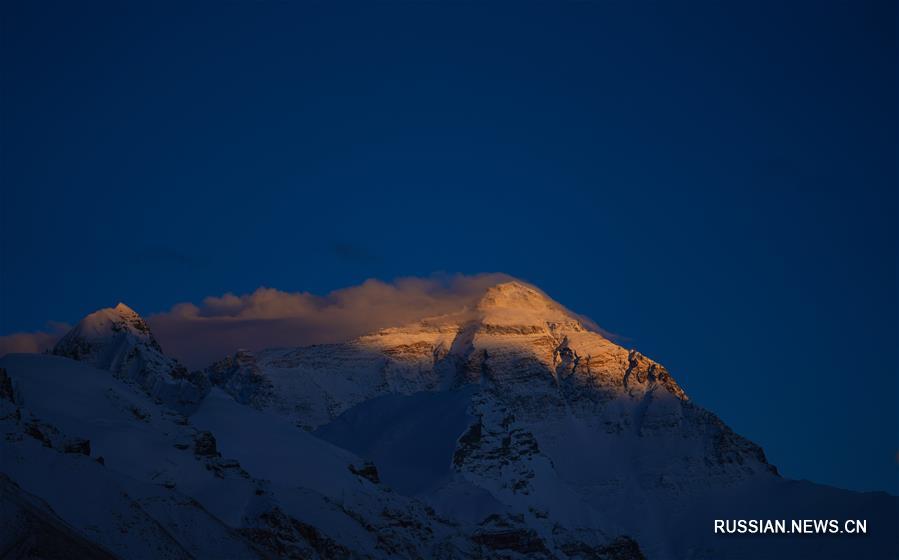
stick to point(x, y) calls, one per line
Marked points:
point(141, 415)
point(179, 372)
point(204, 445)
point(522, 541)
point(6, 390)
point(621, 548)
point(73, 347)
point(220, 467)
point(467, 443)
point(415, 350)
point(641, 370)
point(405, 520)
point(368, 471)
point(326, 547)
point(240, 376)
point(514, 330)
point(508, 533)
point(286, 537)
point(79, 445)
point(35, 430)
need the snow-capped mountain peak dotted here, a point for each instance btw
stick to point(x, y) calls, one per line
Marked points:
point(113, 322)
point(515, 295)
point(118, 339)
point(515, 303)
point(515, 340)
point(95, 337)
point(509, 428)
point(122, 309)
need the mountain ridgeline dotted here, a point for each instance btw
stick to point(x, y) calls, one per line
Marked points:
point(506, 429)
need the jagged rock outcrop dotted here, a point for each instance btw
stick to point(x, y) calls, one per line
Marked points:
point(204, 445)
point(554, 405)
point(240, 376)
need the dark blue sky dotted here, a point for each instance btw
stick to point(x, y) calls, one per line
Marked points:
point(715, 182)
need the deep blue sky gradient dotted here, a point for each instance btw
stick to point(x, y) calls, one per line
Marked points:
point(714, 181)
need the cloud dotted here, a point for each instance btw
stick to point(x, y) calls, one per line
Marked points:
point(32, 342)
point(270, 318)
point(199, 334)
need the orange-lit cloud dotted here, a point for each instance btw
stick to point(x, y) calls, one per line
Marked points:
point(32, 342)
point(266, 318)
point(269, 318)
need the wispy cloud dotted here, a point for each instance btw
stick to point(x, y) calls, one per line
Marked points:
point(33, 342)
point(267, 317)
point(198, 334)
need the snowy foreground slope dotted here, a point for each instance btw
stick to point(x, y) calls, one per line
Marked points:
point(504, 430)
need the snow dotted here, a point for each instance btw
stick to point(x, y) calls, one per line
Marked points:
point(410, 438)
point(509, 414)
point(112, 503)
point(514, 303)
point(98, 326)
point(272, 448)
point(120, 341)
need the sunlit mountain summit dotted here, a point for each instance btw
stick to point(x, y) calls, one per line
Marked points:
point(508, 428)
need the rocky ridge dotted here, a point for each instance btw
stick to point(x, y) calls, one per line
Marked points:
point(119, 340)
point(508, 429)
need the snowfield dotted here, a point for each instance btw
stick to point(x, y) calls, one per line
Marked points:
point(506, 430)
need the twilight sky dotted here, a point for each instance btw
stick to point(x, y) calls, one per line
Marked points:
point(716, 184)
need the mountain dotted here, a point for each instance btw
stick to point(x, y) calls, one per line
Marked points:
point(510, 428)
point(118, 339)
point(144, 481)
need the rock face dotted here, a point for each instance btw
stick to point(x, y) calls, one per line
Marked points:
point(535, 366)
point(567, 431)
point(516, 342)
point(508, 429)
point(204, 445)
point(118, 339)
